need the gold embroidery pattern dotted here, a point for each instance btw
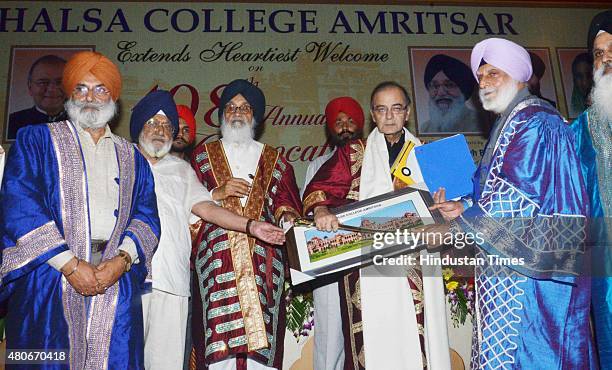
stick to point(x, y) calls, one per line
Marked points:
point(241, 245)
point(356, 298)
point(356, 162)
point(248, 294)
point(313, 198)
point(347, 292)
point(415, 281)
point(282, 209)
point(361, 357)
point(356, 157)
point(255, 202)
point(353, 194)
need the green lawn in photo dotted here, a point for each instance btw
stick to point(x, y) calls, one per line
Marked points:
point(342, 249)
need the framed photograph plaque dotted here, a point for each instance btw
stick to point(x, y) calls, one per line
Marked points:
point(364, 226)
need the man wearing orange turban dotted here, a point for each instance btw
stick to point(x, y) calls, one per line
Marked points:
point(183, 142)
point(96, 64)
point(84, 232)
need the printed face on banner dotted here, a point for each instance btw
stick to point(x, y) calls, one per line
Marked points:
point(577, 79)
point(541, 82)
point(446, 92)
point(35, 92)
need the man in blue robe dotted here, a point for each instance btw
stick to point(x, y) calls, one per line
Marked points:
point(593, 129)
point(529, 204)
point(78, 228)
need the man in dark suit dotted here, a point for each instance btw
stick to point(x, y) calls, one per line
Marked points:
point(45, 88)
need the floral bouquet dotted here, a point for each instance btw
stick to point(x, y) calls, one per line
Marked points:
point(300, 313)
point(461, 297)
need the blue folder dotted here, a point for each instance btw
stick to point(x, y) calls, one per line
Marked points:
point(447, 163)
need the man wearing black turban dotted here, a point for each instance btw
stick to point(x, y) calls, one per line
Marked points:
point(593, 129)
point(539, 68)
point(241, 279)
point(450, 84)
point(153, 123)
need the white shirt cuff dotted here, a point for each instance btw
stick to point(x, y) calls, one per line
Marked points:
point(213, 199)
point(193, 219)
point(58, 261)
point(129, 247)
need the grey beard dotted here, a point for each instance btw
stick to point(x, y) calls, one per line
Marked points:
point(441, 121)
point(97, 118)
point(237, 132)
point(505, 95)
point(601, 93)
point(151, 150)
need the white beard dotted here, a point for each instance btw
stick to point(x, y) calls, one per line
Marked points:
point(601, 93)
point(151, 149)
point(83, 115)
point(504, 97)
point(238, 131)
point(446, 120)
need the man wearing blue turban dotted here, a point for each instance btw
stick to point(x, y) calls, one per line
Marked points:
point(154, 123)
point(239, 308)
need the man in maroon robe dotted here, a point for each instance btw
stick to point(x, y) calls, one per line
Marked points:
point(239, 323)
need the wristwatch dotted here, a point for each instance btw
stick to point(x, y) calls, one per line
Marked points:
point(127, 259)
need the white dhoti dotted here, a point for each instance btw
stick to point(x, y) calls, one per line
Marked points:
point(165, 325)
point(390, 330)
point(230, 364)
point(328, 338)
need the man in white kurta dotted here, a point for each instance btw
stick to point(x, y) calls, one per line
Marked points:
point(179, 194)
point(102, 170)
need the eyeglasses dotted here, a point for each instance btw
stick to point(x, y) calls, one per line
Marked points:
point(98, 91)
point(243, 109)
point(395, 109)
point(44, 83)
point(153, 124)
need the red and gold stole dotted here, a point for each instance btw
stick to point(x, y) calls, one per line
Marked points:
point(241, 246)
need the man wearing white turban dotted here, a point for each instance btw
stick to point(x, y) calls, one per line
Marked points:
point(529, 205)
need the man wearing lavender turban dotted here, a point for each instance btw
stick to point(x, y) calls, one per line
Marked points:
point(529, 205)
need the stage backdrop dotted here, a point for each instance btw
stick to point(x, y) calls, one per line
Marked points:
point(300, 55)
